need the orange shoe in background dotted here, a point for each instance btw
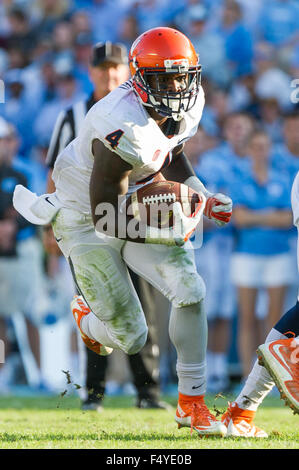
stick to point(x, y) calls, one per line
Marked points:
point(239, 422)
point(281, 359)
point(80, 309)
point(192, 412)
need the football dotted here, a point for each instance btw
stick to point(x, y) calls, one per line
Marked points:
point(152, 203)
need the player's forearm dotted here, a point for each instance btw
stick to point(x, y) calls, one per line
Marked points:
point(195, 183)
point(182, 171)
point(117, 224)
point(109, 213)
point(179, 170)
point(218, 207)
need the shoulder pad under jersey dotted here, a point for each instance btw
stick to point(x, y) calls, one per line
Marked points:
point(114, 120)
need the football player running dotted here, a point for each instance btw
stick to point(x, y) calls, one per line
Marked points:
point(127, 138)
point(278, 364)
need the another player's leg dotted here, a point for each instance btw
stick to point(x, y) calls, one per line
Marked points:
point(281, 358)
point(240, 414)
point(239, 417)
point(173, 272)
point(95, 379)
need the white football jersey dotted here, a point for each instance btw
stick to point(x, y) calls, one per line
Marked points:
point(121, 122)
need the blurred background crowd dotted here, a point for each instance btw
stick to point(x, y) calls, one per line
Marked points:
point(247, 146)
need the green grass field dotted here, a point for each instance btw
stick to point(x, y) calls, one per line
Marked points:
point(58, 423)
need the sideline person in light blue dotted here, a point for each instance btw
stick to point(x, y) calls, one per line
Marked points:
point(262, 257)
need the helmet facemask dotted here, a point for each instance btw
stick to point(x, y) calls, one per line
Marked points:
point(168, 103)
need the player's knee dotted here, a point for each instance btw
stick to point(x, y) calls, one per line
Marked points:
point(191, 291)
point(137, 342)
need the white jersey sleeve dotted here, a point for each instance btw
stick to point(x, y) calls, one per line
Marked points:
point(112, 122)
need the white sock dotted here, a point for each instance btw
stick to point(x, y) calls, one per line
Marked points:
point(192, 378)
point(259, 382)
point(188, 333)
point(95, 329)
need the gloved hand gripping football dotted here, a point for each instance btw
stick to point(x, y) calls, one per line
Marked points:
point(182, 229)
point(219, 208)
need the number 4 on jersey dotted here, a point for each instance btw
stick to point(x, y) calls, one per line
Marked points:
point(114, 137)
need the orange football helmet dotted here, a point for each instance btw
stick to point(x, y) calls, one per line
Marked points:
point(162, 51)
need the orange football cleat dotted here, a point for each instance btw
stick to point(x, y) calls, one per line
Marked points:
point(281, 359)
point(192, 412)
point(79, 310)
point(239, 422)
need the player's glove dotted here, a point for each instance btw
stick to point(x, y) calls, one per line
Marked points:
point(219, 208)
point(182, 229)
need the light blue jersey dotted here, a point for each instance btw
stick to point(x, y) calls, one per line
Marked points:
point(273, 195)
